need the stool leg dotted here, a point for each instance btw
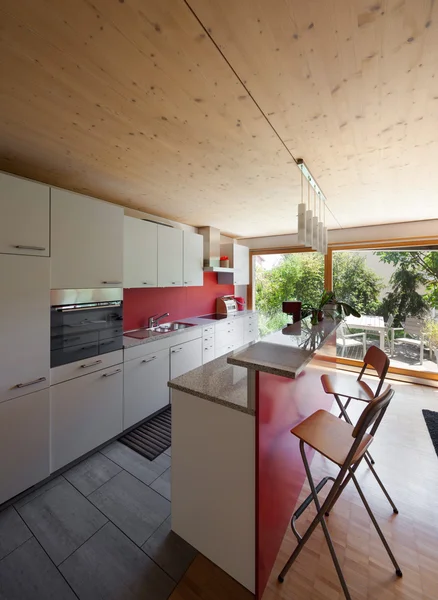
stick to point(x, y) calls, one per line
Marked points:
point(319, 518)
point(394, 508)
point(347, 418)
point(376, 525)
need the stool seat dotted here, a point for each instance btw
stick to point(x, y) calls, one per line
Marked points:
point(330, 436)
point(347, 387)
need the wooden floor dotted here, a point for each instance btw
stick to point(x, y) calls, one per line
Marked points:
point(406, 461)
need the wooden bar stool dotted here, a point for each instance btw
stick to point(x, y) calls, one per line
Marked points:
point(345, 446)
point(344, 387)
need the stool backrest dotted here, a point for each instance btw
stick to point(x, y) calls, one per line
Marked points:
point(376, 358)
point(373, 414)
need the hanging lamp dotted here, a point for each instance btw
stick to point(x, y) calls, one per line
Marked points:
point(315, 239)
point(302, 216)
point(309, 219)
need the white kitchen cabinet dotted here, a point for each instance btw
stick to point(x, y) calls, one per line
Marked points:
point(145, 386)
point(193, 258)
point(239, 261)
point(250, 328)
point(24, 216)
point(86, 242)
point(24, 325)
point(140, 253)
point(208, 334)
point(185, 357)
point(24, 443)
point(170, 257)
point(85, 413)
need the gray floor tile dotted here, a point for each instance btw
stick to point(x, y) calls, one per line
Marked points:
point(91, 473)
point(110, 567)
point(61, 519)
point(13, 531)
point(39, 491)
point(28, 574)
point(145, 470)
point(162, 484)
point(173, 554)
point(136, 509)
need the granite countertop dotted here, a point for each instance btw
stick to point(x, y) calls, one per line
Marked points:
point(285, 352)
point(151, 336)
point(217, 381)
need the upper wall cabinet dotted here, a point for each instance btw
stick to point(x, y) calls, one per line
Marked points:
point(193, 253)
point(170, 257)
point(86, 242)
point(24, 216)
point(239, 260)
point(140, 260)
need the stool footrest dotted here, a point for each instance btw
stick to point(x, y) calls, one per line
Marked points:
point(297, 514)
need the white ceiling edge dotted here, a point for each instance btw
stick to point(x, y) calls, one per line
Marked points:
point(375, 233)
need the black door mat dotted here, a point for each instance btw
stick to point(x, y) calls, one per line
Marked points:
point(431, 418)
point(151, 438)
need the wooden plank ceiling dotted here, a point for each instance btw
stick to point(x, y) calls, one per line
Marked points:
point(194, 110)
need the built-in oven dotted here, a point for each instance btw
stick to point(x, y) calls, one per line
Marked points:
point(85, 323)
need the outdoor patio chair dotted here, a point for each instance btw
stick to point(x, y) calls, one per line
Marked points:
point(350, 340)
point(388, 330)
point(413, 327)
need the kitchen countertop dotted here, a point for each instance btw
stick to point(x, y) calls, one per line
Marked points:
point(217, 381)
point(152, 336)
point(285, 352)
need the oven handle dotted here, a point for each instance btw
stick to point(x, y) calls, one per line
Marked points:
point(80, 308)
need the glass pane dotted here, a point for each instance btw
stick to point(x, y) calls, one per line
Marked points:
point(396, 293)
point(281, 277)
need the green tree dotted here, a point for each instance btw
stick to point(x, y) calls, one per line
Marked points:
point(355, 283)
point(413, 268)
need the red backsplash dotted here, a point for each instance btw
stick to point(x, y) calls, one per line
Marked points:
point(181, 303)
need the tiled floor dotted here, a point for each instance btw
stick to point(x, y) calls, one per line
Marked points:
point(100, 531)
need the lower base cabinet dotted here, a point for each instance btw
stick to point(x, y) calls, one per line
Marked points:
point(185, 357)
point(24, 442)
point(86, 412)
point(145, 386)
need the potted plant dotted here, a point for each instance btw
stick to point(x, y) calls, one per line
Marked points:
point(430, 332)
point(337, 307)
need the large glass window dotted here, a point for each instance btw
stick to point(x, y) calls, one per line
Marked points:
point(281, 277)
point(396, 292)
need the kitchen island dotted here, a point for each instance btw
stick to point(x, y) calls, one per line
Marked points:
point(236, 470)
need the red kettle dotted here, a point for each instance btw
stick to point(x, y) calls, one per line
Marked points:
point(240, 302)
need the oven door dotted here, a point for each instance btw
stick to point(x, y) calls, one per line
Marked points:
point(79, 331)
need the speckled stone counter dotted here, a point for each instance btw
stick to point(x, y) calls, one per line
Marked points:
point(218, 382)
point(285, 352)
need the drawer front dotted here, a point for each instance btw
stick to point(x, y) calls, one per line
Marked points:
point(147, 348)
point(84, 367)
point(208, 330)
point(207, 354)
point(224, 325)
point(208, 339)
point(221, 350)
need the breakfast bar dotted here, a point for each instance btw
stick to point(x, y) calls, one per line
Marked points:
point(236, 470)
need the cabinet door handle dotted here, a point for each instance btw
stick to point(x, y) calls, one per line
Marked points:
point(147, 283)
point(149, 359)
point(38, 248)
point(34, 382)
point(93, 364)
point(111, 282)
point(112, 373)
point(176, 350)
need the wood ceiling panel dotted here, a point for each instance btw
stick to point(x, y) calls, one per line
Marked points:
point(351, 87)
point(131, 102)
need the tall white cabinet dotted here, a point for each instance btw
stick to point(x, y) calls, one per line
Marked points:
point(239, 257)
point(87, 242)
point(193, 259)
point(24, 325)
point(170, 257)
point(140, 253)
point(24, 216)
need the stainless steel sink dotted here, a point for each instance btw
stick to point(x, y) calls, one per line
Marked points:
point(168, 327)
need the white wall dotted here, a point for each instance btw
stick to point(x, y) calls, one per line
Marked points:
point(401, 231)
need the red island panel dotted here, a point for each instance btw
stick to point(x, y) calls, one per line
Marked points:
point(281, 403)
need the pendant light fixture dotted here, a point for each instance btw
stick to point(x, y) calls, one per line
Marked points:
point(302, 216)
point(312, 230)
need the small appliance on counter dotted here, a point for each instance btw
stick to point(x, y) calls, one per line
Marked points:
point(84, 323)
point(293, 309)
point(240, 301)
point(226, 305)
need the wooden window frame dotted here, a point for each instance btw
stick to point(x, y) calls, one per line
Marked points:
point(328, 280)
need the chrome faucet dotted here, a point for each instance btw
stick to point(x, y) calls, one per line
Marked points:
point(153, 321)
